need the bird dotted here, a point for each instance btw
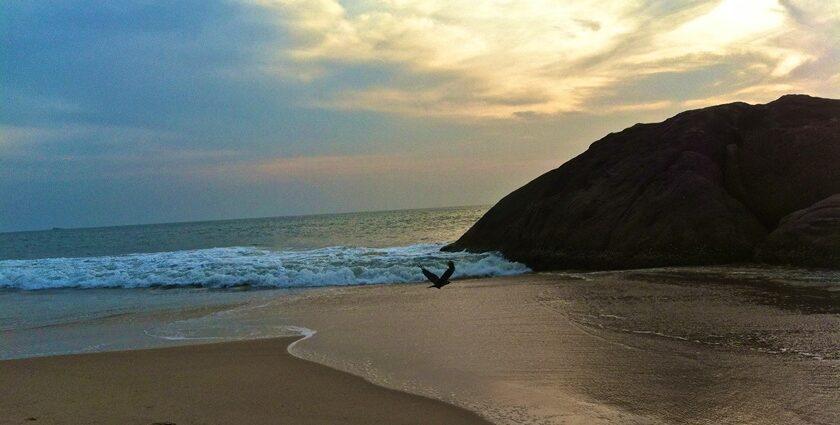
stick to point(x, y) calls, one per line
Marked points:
point(443, 280)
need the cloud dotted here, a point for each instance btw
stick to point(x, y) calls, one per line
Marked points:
point(467, 59)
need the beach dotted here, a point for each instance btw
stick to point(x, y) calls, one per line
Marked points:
point(408, 212)
point(692, 345)
point(254, 382)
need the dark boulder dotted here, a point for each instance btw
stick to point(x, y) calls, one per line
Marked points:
point(789, 155)
point(809, 237)
point(702, 187)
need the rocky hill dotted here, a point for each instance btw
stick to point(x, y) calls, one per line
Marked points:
point(705, 186)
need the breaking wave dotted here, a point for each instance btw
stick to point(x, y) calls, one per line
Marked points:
point(250, 266)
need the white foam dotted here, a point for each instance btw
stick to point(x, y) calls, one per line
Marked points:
point(237, 266)
point(306, 333)
point(185, 338)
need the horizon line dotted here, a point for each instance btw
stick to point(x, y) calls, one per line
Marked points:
point(3, 232)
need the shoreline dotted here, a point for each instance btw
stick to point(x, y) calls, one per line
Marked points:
point(661, 346)
point(255, 382)
point(544, 348)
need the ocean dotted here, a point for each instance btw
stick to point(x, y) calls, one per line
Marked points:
point(280, 252)
point(91, 289)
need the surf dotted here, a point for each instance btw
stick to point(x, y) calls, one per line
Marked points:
point(245, 267)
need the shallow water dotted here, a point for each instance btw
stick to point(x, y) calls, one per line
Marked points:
point(40, 323)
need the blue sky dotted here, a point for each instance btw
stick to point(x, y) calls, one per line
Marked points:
point(121, 112)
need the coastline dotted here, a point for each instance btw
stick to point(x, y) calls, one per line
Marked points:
point(254, 382)
point(637, 347)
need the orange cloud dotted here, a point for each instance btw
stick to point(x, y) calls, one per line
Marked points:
point(467, 59)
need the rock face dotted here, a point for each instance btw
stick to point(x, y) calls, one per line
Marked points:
point(705, 186)
point(809, 237)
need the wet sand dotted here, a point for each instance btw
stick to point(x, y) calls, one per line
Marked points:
point(251, 382)
point(592, 348)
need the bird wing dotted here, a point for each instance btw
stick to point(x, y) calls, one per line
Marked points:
point(431, 276)
point(448, 273)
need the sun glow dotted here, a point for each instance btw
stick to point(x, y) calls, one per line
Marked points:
point(462, 58)
point(732, 21)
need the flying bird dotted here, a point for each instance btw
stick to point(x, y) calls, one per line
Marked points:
point(443, 280)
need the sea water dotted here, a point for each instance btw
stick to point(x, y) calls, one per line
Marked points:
point(93, 289)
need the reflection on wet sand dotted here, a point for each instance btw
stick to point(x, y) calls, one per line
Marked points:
point(604, 348)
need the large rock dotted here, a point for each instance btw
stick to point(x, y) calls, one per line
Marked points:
point(702, 187)
point(810, 237)
point(789, 155)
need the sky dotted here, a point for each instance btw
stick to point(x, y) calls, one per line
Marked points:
point(123, 112)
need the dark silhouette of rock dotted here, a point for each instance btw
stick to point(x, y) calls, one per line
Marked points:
point(702, 187)
point(789, 155)
point(809, 237)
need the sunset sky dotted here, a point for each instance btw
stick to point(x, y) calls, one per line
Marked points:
point(121, 112)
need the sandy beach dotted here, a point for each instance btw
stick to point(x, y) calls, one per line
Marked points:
point(253, 382)
point(675, 346)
